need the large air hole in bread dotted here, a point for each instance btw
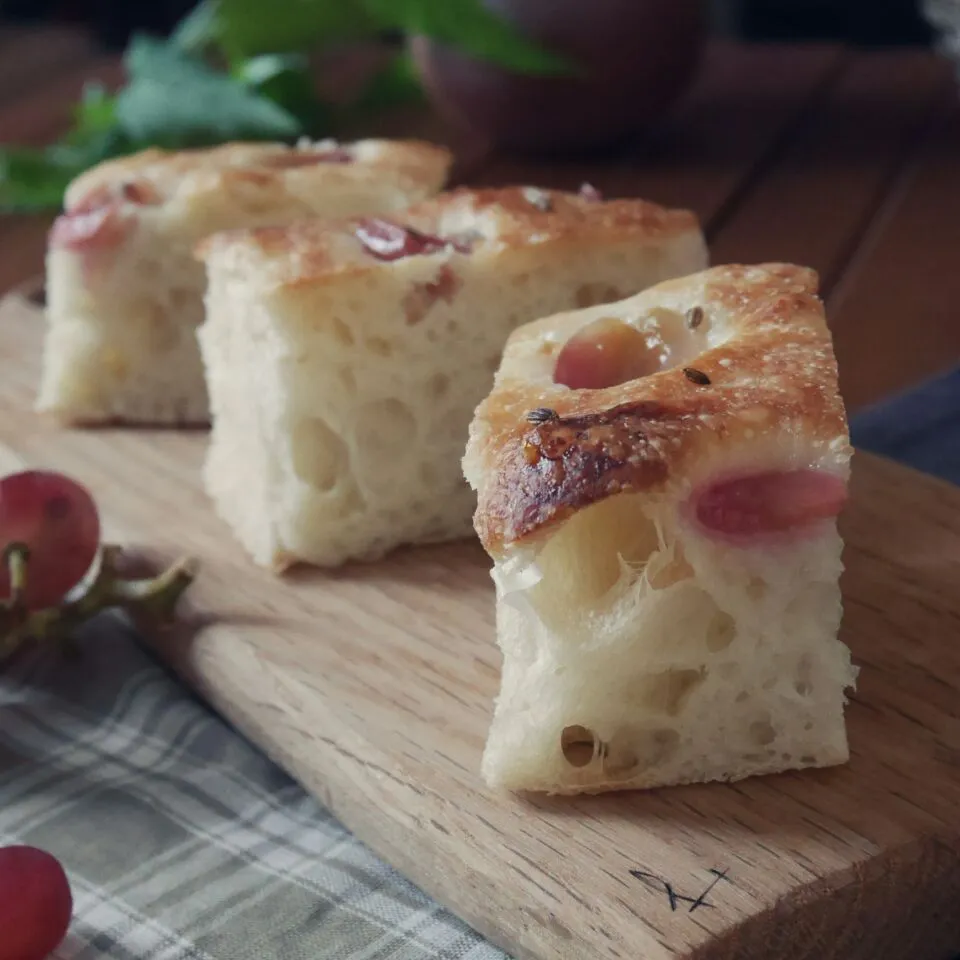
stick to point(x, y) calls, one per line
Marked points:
point(588, 557)
point(320, 456)
point(627, 752)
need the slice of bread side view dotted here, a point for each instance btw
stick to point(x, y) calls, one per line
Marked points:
point(345, 360)
point(658, 484)
point(124, 290)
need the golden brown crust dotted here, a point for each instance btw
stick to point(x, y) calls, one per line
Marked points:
point(515, 214)
point(267, 165)
point(308, 250)
point(543, 451)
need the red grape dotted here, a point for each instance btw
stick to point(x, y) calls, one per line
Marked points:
point(308, 158)
point(99, 229)
point(96, 198)
point(391, 241)
point(139, 192)
point(35, 903)
point(57, 520)
point(97, 220)
point(777, 501)
point(603, 354)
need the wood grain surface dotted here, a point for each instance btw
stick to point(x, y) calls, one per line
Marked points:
point(373, 686)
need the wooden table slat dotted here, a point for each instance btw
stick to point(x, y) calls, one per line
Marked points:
point(898, 304)
point(29, 56)
point(745, 100)
point(812, 203)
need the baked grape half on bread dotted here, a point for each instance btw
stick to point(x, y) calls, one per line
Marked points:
point(345, 361)
point(658, 484)
point(124, 290)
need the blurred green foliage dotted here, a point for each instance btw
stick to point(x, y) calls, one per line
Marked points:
point(240, 70)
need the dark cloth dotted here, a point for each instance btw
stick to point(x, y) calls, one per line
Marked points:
point(920, 428)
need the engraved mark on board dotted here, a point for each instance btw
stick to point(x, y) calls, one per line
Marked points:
point(675, 899)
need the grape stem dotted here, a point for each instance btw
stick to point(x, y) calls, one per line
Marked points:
point(16, 556)
point(152, 598)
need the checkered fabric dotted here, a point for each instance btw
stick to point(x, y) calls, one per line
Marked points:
point(181, 840)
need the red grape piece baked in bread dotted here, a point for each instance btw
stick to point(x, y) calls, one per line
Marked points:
point(658, 483)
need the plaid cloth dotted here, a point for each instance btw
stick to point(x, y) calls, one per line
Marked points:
point(183, 842)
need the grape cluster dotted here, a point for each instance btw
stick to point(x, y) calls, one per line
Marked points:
point(55, 574)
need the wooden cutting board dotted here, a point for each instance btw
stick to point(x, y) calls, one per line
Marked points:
point(373, 686)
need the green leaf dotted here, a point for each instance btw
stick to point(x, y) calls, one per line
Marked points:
point(262, 70)
point(250, 27)
point(198, 30)
point(471, 27)
point(95, 114)
point(173, 100)
point(285, 79)
point(35, 179)
point(398, 83)
point(30, 180)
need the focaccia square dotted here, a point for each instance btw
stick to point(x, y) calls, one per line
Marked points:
point(345, 361)
point(124, 291)
point(658, 485)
